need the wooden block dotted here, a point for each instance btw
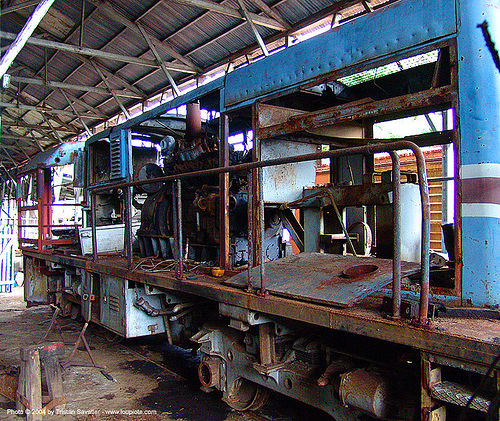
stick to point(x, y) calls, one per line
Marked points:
point(33, 385)
point(21, 386)
point(53, 376)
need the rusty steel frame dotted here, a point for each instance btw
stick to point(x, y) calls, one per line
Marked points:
point(224, 194)
point(257, 165)
point(43, 207)
point(365, 323)
point(396, 219)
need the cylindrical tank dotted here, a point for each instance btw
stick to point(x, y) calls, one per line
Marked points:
point(365, 390)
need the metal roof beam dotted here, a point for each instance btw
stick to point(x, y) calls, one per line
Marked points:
point(117, 100)
point(28, 99)
point(54, 131)
point(300, 25)
point(215, 39)
point(77, 113)
point(102, 67)
point(120, 80)
point(26, 138)
point(153, 49)
point(96, 53)
point(13, 147)
point(21, 125)
point(235, 13)
point(21, 141)
point(271, 13)
point(9, 135)
point(63, 85)
point(18, 144)
point(250, 22)
point(8, 155)
point(40, 108)
point(19, 6)
point(87, 106)
point(24, 35)
point(115, 14)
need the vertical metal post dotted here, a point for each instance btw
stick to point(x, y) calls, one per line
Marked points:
point(93, 221)
point(178, 195)
point(250, 229)
point(128, 225)
point(262, 234)
point(426, 236)
point(39, 207)
point(256, 239)
point(396, 219)
point(20, 214)
point(224, 194)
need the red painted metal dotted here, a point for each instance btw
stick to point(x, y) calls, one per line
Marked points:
point(43, 210)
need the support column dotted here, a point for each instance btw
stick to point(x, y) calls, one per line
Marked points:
point(479, 154)
point(224, 194)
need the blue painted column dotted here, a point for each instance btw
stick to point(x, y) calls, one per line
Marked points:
point(479, 149)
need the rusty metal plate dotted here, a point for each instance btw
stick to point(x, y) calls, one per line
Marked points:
point(324, 278)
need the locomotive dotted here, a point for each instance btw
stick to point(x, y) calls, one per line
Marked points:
point(203, 221)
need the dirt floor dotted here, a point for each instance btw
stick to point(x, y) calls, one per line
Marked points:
point(148, 379)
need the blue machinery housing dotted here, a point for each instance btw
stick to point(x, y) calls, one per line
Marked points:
point(208, 204)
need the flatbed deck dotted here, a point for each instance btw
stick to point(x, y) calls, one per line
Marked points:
point(474, 341)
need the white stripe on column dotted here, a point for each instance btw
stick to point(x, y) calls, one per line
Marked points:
point(480, 171)
point(481, 210)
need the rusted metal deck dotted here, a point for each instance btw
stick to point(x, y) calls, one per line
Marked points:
point(450, 338)
point(324, 278)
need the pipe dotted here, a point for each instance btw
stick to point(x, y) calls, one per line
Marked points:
point(193, 121)
point(365, 149)
point(262, 234)
point(93, 222)
point(209, 372)
point(426, 235)
point(23, 36)
point(396, 220)
point(250, 230)
point(178, 193)
point(128, 226)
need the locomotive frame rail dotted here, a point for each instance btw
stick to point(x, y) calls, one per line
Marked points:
point(442, 338)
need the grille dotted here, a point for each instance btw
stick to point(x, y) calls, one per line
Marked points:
point(114, 303)
point(115, 152)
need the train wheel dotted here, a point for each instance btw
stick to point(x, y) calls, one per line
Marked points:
point(246, 395)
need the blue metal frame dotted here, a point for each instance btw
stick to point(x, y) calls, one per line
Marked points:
point(406, 24)
point(479, 116)
point(62, 154)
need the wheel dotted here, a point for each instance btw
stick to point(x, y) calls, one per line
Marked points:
point(245, 395)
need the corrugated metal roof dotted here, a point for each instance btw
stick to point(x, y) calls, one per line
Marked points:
point(203, 37)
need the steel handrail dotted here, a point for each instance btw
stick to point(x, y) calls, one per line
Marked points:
point(370, 148)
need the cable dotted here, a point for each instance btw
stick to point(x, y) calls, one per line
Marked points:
point(490, 44)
